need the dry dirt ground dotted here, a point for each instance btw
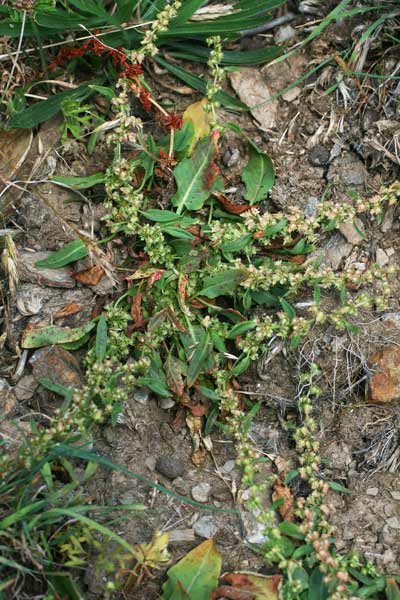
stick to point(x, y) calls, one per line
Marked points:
point(317, 144)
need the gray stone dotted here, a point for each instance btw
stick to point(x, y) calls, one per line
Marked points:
point(182, 486)
point(292, 94)
point(28, 271)
point(347, 170)
point(381, 257)
point(312, 206)
point(395, 495)
point(231, 157)
point(201, 492)
point(336, 250)
point(372, 491)
point(284, 33)
point(394, 522)
point(170, 466)
point(319, 156)
point(141, 395)
point(26, 387)
point(166, 403)
point(205, 527)
point(351, 232)
point(228, 466)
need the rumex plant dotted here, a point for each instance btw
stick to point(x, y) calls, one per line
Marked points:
point(202, 270)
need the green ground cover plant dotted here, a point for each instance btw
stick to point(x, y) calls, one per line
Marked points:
point(212, 284)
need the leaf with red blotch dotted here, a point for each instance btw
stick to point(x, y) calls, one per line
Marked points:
point(234, 209)
point(89, 276)
point(173, 372)
point(248, 586)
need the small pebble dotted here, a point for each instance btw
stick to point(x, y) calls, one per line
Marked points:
point(394, 522)
point(141, 395)
point(319, 156)
point(381, 257)
point(291, 94)
point(170, 466)
point(395, 495)
point(231, 157)
point(284, 33)
point(205, 527)
point(201, 491)
point(166, 403)
point(228, 466)
point(372, 491)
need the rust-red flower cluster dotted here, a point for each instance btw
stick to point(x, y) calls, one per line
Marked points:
point(127, 70)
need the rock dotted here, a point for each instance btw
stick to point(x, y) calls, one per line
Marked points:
point(387, 221)
point(339, 455)
point(292, 94)
point(14, 147)
point(369, 117)
point(394, 522)
point(166, 403)
point(205, 527)
point(348, 170)
point(57, 365)
point(253, 91)
point(319, 156)
point(384, 383)
point(336, 250)
point(395, 495)
point(373, 491)
point(150, 463)
point(231, 157)
point(27, 271)
point(284, 33)
point(353, 232)
point(389, 557)
point(381, 257)
point(228, 466)
point(201, 492)
point(141, 395)
point(8, 401)
point(220, 491)
point(170, 466)
point(181, 486)
point(312, 206)
point(104, 287)
point(26, 387)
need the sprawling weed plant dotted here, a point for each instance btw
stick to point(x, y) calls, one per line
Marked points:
point(212, 283)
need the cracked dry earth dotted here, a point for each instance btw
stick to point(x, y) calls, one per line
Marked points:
point(314, 141)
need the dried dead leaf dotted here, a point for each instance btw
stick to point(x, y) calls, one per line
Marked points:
point(69, 309)
point(198, 456)
point(282, 491)
point(199, 117)
point(90, 276)
point(234, 209)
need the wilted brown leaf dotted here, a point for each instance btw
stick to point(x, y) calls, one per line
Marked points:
point(89, 276)
point(234, 209)
point(248, 586)
point(283, 491)
point(69, 309)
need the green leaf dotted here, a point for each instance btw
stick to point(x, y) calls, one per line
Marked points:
point(197, 573)
point(392, 589)
point(104, 91)
point(80, 183)
point(101, 339)
point(190, 178)
point(155, 386)
point(56, 388)
point(222, 284)
point(337, 487)
point(240, 329)
point(198, 358)
point(290, 476)
point(64, 585)
point(287, 308)
point(177, 232)
point(317, 589)
point(71, 252)
point(236, 245)
point(241, 366)
point(199, 84)
point(52, 334)
point(45, 109)
point(258, 175)
point(161, 216)
point(301, 551)
point(291, 529)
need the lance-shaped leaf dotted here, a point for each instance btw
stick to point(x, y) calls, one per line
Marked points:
point(46, 336)
point(222, 284)
point(190, 176)
point(258, 175)
point(196, 575)
point(69, 253)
